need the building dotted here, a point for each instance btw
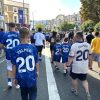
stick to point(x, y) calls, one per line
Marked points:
point(1, 14)
point(13, 12)
point(73, 19)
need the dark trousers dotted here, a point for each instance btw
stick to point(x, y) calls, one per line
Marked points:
point(39, 48)
point(29, 93)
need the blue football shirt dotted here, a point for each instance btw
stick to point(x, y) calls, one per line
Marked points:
point(25, 57)
point(57, 52)
point(65, 52)
point(10, 40)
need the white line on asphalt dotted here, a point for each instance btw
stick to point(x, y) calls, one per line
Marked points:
point(2, 61)
point(52, 87)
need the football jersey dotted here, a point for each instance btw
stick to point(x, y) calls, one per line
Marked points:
point(25, 57)
point(65, 51)
point(80, 52)
point(39, 37)
point(95, 45)
point(10, 40)
point(57, 49)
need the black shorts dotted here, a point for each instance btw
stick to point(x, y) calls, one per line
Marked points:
point(39, 48)
point(81, 77)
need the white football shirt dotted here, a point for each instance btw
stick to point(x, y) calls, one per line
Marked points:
point(39, 37)
point(80, 51)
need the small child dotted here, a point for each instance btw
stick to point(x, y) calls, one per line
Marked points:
point(65, 52)
point(25, 66)
point(57, 53)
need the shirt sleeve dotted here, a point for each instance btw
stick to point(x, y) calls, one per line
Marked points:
point(35, 36)
point(72, 51)
point(43, 36)
point(3, 40)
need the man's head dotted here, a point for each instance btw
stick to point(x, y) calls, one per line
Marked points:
point(39, 29)
point(11, 26)
point(57, 40)
point(78, 36)
point(66, 40)
point(24, 34)
point(97, 34)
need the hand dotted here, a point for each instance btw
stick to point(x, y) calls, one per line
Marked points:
point(37, 74)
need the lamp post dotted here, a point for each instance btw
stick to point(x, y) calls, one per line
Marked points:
point(23, 13)
point(33, 19)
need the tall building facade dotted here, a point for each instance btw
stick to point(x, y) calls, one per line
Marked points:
point(17, 12)
point(1, 14)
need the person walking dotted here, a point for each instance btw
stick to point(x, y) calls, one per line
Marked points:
point(39, 39)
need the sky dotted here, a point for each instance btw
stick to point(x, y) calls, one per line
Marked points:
point(49, 9)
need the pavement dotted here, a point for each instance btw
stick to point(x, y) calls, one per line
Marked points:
point(52, 85)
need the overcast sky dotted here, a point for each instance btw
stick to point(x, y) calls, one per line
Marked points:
point(49, 9)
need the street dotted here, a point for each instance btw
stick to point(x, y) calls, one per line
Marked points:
point(52, 85)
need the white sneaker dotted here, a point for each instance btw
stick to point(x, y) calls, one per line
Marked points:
point(17, 86)
point(10, 84)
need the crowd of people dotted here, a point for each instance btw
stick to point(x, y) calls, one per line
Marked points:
point(23, 53)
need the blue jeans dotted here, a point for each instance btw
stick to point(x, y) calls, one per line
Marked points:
point(29, 93)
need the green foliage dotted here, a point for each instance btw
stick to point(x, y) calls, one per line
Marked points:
point(90, 10)
point(97, 27)
point(66, 26)
point(39, 25)
point(89, 24)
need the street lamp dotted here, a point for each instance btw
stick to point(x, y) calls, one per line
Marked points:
point(23, 13)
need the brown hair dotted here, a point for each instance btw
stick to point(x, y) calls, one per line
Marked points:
point(23, 32)
point(12, 25)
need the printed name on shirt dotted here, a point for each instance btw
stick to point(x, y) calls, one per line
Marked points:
point(24, 50)
point(14, 35)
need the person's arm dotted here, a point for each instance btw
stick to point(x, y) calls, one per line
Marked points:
point(14, 74)
point(90, 58)
point(71, 56)
point(1, 46)
point(70, 60)
point(37, 69)
point(43, 40)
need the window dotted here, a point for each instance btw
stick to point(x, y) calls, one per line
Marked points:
point(15, 19)
point(15, 9)
point(10, 8)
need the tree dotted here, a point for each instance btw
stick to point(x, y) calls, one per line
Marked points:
point(66, 26)
point(87, 25)
point(39, 25)
point(90, 10)
point(97, 27)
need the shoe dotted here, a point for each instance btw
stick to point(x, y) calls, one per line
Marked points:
point(88, 97)
point(52, 62)
point(40, 59)
point(56, 68)
point(65, 72)
point(10, 84)
point(75, 91)
point(17, 86)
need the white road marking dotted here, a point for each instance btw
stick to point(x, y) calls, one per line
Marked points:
point(52, 87)
point(2, 61)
